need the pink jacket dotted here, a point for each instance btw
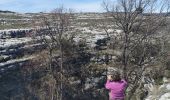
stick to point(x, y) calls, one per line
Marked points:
point(117, 89)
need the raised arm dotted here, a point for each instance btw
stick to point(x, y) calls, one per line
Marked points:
point(125, 83)
point(108, 85)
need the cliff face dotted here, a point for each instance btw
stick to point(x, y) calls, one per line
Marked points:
point(16, 48)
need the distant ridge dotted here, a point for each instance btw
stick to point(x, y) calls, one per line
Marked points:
point(6, 11)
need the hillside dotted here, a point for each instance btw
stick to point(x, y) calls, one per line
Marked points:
point(96, 44)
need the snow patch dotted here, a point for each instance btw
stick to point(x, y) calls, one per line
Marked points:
point(13, 41)
point(166, 96)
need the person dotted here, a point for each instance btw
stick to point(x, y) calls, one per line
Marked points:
point(116, 86)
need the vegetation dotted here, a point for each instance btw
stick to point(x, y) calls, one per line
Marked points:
point(135, 42)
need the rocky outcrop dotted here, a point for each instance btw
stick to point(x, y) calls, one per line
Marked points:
point(15, 33)
point(12, 65)
point(159, 92)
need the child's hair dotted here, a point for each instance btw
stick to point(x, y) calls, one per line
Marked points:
point(116, 76)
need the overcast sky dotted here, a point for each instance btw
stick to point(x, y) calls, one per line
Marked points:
point(47, 5)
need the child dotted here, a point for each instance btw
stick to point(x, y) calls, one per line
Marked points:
point(116, 86)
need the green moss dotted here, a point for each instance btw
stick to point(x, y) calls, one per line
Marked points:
point(159, 81)
point(1, 59)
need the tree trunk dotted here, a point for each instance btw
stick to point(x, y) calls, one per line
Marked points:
point(61, 72)
point(124, 61)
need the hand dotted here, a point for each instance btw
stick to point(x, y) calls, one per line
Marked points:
point(109, 77)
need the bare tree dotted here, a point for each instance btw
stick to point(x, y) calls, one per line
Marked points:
point(52, 29)
point(140, 22)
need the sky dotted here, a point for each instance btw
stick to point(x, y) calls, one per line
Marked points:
point(25, 6)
